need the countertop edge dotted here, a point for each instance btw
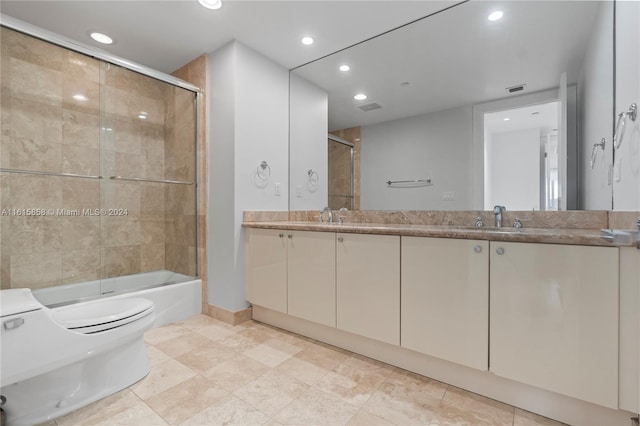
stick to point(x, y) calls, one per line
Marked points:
point(586, 237)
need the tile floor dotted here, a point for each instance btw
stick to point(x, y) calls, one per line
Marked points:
point(205, 372)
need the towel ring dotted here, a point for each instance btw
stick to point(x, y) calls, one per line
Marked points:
point(263, 171)
point(312, 180)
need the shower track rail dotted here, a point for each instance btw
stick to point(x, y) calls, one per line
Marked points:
point(72, 175)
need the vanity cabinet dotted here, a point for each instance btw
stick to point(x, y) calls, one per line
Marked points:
point(445, 299)
point(368, 285)
point(293, 272)
point(312, 276)
point(554, 318)
point(266, 268)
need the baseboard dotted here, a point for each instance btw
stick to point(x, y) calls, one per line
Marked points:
point(232, 318)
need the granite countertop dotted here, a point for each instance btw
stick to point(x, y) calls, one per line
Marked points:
point(590, 237)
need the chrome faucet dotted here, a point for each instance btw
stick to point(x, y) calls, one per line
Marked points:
point(498, 210)
point(330, 216)
point(340, 217)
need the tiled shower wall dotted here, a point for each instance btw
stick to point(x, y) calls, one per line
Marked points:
point(45, 129)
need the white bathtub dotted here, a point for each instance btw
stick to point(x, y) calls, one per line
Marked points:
point(176, 296)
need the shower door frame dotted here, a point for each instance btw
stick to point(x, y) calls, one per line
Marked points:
point(351, 162)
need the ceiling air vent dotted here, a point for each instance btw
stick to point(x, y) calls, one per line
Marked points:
point(515, 89)
point(370, 106)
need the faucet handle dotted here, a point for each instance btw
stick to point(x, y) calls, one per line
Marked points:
point(517, 223)
point(340, 217)
point(479, 222)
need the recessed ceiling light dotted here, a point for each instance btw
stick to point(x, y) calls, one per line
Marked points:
point(80, 97)
point(307, 40)
point(494, 16)
point(360, 97)
point(345, 67)
point(101, 38)
point(405, 84)
point(535, 113)
point(211, 4)
point(507, 119)
point(142, 115)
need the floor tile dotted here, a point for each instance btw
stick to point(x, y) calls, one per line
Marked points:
point(178, 403)
point(156, 356)
point(478, 409)
point(272, 352)
point(271, 392)
point(235, 373)
point(162, 377)
point(314, 405)
point(350, 384)
point(99, 410)
point(228, 411)
point(302, 370)
point(324, 356)
point(136, 415)
point(187, 342)
point(198, 322)
point(167, 332)
point(362, 418)
point(207, 357)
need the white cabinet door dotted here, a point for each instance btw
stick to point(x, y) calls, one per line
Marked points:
point(629, 373)
point(266, 267)
point(554, 318)
point(445, 299)
point(312, 276)
point(368, 285)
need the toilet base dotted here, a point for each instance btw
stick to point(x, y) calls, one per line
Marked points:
point(66, 389)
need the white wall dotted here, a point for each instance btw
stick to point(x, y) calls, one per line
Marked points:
point(436, 146)
point(595, 105)
point(626, 191)
point(249, 123)
point(309, 146)
point(512, 154)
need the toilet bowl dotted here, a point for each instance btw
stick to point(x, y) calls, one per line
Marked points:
point(53, 361)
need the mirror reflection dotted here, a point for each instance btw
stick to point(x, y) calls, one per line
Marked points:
point(462, 110)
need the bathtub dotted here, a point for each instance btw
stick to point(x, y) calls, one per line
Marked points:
point(176, 296)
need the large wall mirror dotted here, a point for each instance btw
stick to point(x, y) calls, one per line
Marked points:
point(463, 110)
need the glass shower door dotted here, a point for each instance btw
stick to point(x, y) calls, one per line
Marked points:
point(147, 201)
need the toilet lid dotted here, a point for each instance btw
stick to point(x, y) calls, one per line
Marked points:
point(102, 315)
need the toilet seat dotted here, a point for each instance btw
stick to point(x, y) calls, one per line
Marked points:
point(101, 315)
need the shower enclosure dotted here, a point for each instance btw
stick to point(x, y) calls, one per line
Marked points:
point(97, 174)
point(341, 173)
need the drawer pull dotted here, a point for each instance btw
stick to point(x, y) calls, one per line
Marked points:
point(281, 235)
point(340, 239)
point(477, 249)
point(290, 236)
point(500, 251)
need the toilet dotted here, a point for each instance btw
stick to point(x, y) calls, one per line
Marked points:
point(53, 361)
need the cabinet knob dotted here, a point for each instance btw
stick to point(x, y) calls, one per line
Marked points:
point(500, 250)
point(477, 249)
point(281, 235)
point(340, 239)
point(290, 236)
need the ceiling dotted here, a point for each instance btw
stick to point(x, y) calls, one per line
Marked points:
point(165, 35)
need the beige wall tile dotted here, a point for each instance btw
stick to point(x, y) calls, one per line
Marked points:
point(80, 193)
point(80, 232)
point(152, 257)
point(34, 234)
point(30, 191)
point(80, 265)
point(80, 129)
point(36, 270)
point(119, 231)
point(33, 50)
point(151, 231)
point(80, 160)
point(35, 82)
point(118, 261)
